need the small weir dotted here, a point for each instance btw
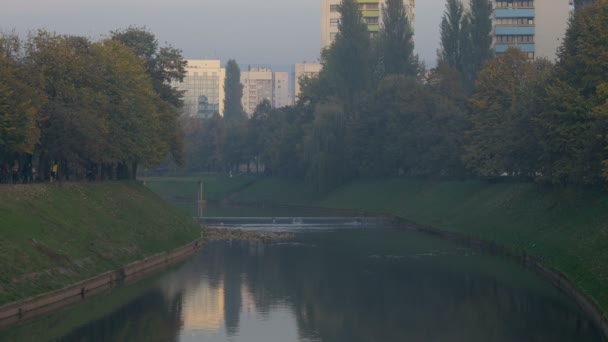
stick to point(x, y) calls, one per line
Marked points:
point(293, 221)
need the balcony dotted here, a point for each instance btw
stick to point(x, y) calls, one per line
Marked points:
point(514, 30)
point(500, 48)
point(514, 13)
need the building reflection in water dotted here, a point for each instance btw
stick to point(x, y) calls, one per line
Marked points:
point(204, 308)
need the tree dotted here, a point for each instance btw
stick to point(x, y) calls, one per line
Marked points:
point(74, 118)
point(583, 61)
point(234, 146)
point(450, 119)
point(134, 121)
point(578, 4)
point(325, 147)
point(257, 129)
point(480, 18)
point(368, 140)
point(500, 129)
point(164, 65)
point(233, 107)
point(574, 120)
point(21, 99)
point(102, 108)
point(347, 62)
point(571, 149)
point(451, 34)
point(465, 38)
point(396, 40)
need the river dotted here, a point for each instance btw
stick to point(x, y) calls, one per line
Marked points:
point(342, 284)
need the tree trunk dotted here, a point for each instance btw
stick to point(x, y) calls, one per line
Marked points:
point(122, 171)
point(134, 166)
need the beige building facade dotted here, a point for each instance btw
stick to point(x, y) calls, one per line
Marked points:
point(281, 95)
point(552, 21)
point(203, 88)
point(261, 84)
point(304, 70)
point(257, 87)
point(371, 11)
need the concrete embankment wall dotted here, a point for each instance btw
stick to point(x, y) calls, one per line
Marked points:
point(45, 304)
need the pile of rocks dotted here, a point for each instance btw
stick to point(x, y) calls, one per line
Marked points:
point(217, 234)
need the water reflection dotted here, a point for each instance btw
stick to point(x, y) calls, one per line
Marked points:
point(345, 286)
point(148, 318)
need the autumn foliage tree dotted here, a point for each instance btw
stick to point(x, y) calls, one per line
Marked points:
point(20, 101)
point(493, 144)
point(91, 107)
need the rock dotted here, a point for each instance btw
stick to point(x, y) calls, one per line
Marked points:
point(216, 234)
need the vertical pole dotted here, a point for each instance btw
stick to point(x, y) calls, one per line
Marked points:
point(200, 198)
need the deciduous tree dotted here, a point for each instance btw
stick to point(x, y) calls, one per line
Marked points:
point(494, 143)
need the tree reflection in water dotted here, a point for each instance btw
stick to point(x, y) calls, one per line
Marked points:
point(346, 286)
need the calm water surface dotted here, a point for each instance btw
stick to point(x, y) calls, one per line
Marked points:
point(342, 285)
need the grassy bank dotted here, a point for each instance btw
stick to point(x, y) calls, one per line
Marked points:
point(54, 235)
point(215, 186)
point(567, 227)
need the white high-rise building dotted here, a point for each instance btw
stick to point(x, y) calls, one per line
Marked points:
point(371, 10)
point(304, 70)
point(204, 88)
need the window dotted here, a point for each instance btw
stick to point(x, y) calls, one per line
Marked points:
point(515, 39)
point(515, 21)
point(333, 8)
point(517, 3)
point(334, 22)
point(369, 7)
point(371, 21)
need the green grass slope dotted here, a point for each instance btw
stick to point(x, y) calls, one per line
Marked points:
point(567, 227)
point(52, 235)
point(215, 186)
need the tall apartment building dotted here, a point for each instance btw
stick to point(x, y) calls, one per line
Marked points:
point(304, 70)
point(261, 84)
point(204, 88)
point(537, 27)
point(371, 10)
point(257, 87)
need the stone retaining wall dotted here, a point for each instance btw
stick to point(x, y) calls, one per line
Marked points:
point(47, 303)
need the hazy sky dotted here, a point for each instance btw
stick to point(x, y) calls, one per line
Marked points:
point(273, 32)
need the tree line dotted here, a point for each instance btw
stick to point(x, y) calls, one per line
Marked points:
point(86, 108)
point(376, 111)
